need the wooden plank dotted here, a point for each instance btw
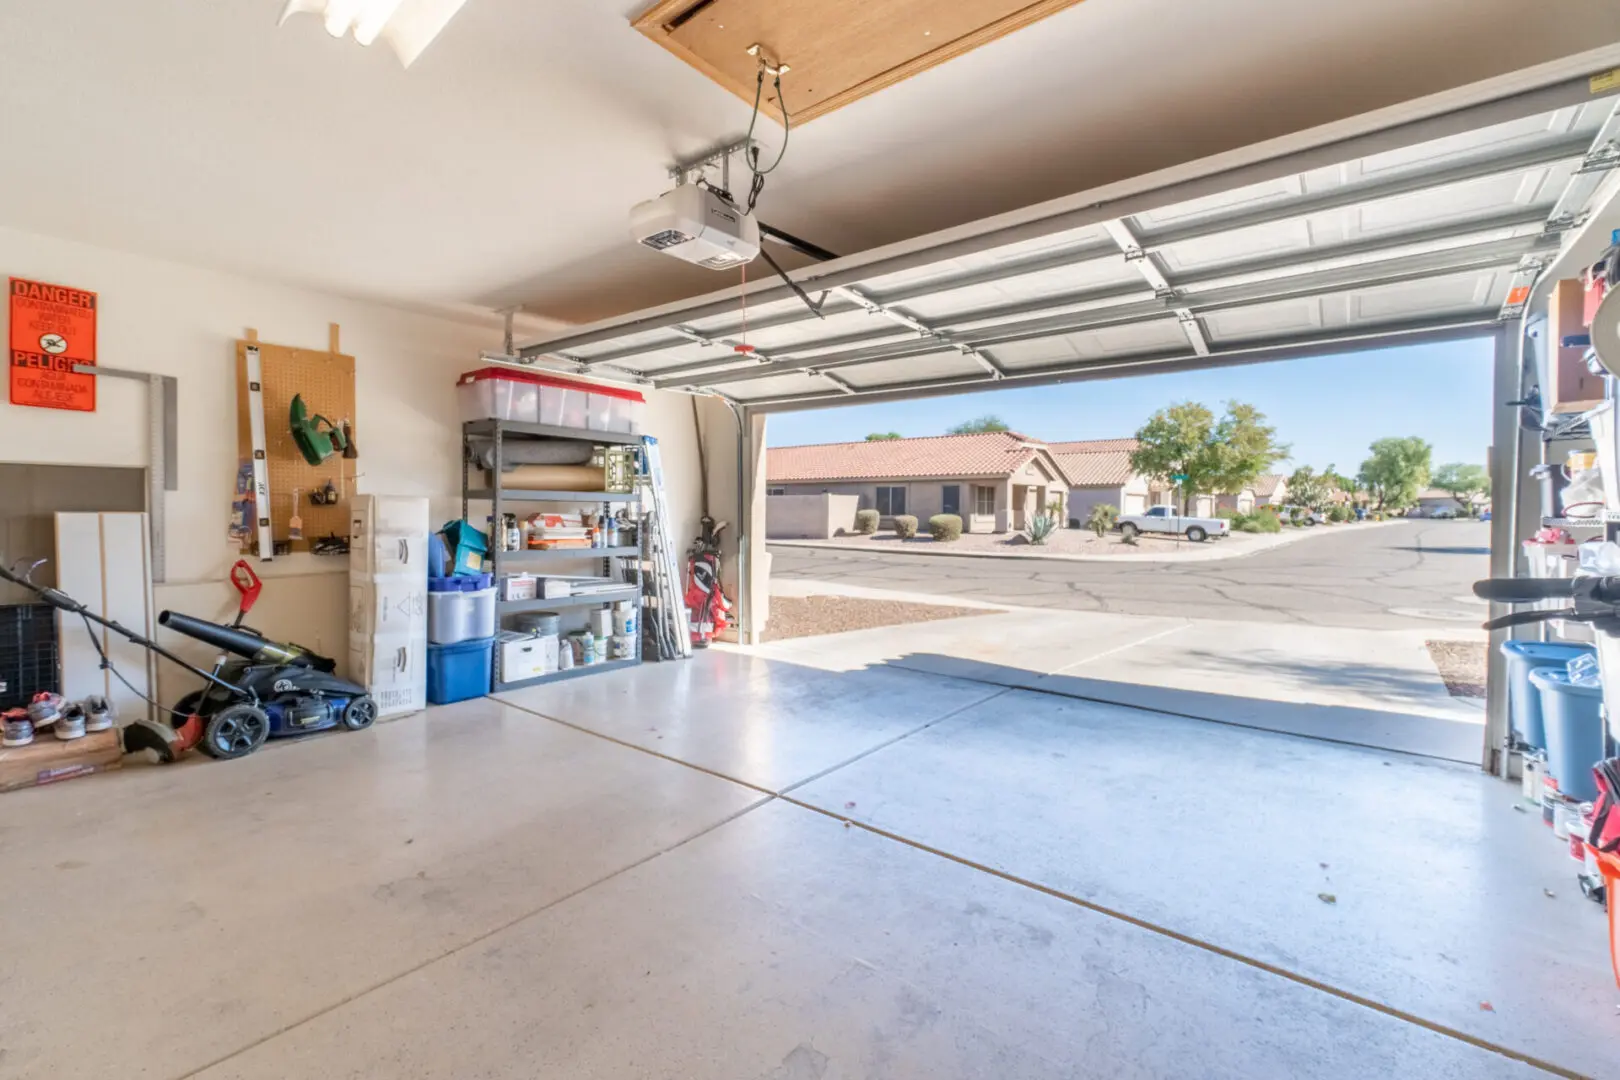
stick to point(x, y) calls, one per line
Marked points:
point(127, 592)
point(79, 574)
point(839, 50)
point(48, 759)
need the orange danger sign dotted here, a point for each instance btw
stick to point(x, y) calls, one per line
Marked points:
point(52, 329)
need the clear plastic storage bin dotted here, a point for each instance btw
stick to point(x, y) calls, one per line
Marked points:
point(563, 402)
point(494, 393)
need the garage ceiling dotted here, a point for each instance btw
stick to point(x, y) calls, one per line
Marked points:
point(1415, 238)
point(501, 166)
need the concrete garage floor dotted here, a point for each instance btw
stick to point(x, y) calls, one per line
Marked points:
point(749, 867)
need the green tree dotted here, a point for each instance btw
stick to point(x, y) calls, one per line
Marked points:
point(987, 422)
point(883, 436)
point(1397, 471)
point(1310, 489)
point(1462, 482)
point(1224, 454)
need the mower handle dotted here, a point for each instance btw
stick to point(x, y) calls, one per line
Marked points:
point(1529, 590)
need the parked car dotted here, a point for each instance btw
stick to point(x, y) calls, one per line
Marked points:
point(1164, 519)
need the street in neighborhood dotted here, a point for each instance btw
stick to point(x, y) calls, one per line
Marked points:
point(1405, 575)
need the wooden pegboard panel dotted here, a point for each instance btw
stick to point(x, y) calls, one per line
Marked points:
point(326, 381)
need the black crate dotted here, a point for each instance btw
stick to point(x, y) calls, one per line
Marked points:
point(28, 654)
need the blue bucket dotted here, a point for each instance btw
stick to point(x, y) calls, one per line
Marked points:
point(1573, 713)
point(460, 671)
point(1524, 702)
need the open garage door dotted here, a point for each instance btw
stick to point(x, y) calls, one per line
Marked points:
point(1430, 229)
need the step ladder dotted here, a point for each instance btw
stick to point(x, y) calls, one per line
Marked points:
point(668, 622)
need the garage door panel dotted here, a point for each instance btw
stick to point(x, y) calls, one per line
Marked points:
point(1459, 292)
point(1268, 321)
point(1088, 274)
point(1146, 337)
point(933, 366)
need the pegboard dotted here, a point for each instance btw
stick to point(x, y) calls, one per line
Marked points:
point(326, 381)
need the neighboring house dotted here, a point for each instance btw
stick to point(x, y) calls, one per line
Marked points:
point(1100, 472)
point(995, 481)
point(1270, 490)
point(1241, 502)
point(1432, 499)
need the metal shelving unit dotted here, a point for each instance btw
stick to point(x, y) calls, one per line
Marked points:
point(499, 432)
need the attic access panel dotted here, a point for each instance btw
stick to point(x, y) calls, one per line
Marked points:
point(838, 50)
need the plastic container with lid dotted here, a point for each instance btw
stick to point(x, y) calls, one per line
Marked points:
point(496, 393)
point(615, 408)
point(1573, 718)
point(1524, 702)
point(460, 671)
point(460, 616)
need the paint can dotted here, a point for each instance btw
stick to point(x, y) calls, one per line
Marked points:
point(624, 618)
point(601, 623)
point(622, 647)
point(543, 623)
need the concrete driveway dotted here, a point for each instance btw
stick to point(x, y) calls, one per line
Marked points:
point(1325, 639)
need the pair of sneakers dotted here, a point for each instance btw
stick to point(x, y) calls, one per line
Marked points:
point(67, 720)
point(16, 729)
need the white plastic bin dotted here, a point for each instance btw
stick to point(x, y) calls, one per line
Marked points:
point(460, 616)
point(600, 417)
point(494, 393)
point(625, 410)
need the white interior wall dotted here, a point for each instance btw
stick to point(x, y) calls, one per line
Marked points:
point(182, 321)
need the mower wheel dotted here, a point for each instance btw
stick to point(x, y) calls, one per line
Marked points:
point(235, 731)
point(360, 713)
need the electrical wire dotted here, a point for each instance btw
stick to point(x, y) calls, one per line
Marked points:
point(107, 665)
point(751, 152)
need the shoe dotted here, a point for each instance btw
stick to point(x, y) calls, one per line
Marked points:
point(98, 714)
point(70, 725)
point(17, 729)
point(44, 709)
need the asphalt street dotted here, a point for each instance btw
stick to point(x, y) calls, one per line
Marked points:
point(1402, 576)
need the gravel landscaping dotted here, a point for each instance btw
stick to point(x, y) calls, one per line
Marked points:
point(809, 616)
point(1461, 665)
point(1074, 543)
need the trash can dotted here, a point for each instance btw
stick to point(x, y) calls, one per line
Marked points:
point(1524, 702)
point(1573, 715)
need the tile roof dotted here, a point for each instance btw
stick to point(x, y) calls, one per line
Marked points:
point(987, 454)
point(1265, 486)
point(1092, 446)
point(1098, 468)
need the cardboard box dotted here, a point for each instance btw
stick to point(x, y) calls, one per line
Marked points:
point(48, 759)
point(1569, 386)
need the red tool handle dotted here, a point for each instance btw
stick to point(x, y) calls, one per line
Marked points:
point(248, 584)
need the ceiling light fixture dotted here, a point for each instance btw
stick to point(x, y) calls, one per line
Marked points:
point(407, 25)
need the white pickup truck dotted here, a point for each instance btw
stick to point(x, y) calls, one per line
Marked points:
point(1164, 519)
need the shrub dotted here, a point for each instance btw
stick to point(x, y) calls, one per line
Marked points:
point(1041, 528)
point(905, 526)
point(1341, 514)
point(1260, 521)
point(1226, 513)
point(866, 522)
point(1102, 518)
point(945, 527)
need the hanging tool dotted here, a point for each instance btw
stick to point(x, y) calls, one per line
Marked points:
point(316, 436)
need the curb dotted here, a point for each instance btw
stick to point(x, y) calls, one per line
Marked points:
point(929, 551)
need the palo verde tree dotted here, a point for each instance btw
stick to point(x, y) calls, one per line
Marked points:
point(1224, 454)
point(1462, 482)
point(1397, 471)
point(987, 422)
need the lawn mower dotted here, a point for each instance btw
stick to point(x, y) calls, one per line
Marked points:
point(266, 690)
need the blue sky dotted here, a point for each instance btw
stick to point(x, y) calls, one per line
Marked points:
point(1328, 408)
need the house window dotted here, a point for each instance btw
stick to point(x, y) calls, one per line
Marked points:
point(891, 501)
point(776, 491)
point(951, 501)
point(984, 501)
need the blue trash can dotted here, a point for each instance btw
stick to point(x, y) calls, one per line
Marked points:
point(1574, 724)
point(460, 671)
point(1524, 701)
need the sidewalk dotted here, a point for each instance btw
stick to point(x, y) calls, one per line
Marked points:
point(1150, 549)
